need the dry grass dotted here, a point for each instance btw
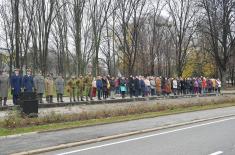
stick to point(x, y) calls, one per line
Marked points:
point(15, 120)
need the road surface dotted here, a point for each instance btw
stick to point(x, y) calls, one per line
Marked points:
point(208, 138)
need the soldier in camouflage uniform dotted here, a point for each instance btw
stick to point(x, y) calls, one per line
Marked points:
point(72, 88)
point(80, 87)
point(88, 86)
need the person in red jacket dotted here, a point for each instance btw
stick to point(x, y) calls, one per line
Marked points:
point(204, 85)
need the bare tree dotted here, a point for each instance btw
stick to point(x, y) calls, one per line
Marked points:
point(130, 15)
point(184, 23)
point(218, 27)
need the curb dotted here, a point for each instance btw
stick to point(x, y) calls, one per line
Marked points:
point(74, 144)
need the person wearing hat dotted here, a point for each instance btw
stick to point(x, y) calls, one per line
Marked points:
point(28, 84)
point(16, 84)
point(88, 86)
point(71, 88)
point(80, 87)
point(49, 87)
point(4, 85)
point(59, 84)
point(39, 86)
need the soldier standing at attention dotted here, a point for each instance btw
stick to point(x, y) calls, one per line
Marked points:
point(88, 86)
point(59, 83)
point(28, 84)
point(49, 85)
point(80, 87)
point(16, 84)
point(39, 86)
point(4, 85)
point(72, 88)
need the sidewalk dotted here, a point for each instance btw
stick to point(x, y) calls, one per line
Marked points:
point(41, 140)
point(66, 99)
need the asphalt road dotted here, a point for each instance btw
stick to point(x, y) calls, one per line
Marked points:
point(209, 138)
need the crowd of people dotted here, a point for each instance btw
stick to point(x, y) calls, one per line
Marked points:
point(102, 87)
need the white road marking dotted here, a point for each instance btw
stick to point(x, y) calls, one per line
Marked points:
point(148, 136)
point(216, 153)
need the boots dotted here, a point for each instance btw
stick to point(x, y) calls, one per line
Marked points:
point(50, 99)
point(61, 98)
point(4, 102)
point(58, 97)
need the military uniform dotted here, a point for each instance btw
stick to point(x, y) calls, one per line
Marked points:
point(4, 86)
point(80, 88)
point(88, 86)
point(59, 84)
point(71, 88)
point(39, 86)
point(49, 85)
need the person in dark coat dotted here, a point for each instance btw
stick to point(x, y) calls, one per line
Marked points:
point(28, 83)
point(105, 87)
point(99, 86)
point(131, 86)
point(16, 84)
point(137, 86)
point(142, 85)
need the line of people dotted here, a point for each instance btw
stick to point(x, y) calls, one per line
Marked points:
point(101, 87)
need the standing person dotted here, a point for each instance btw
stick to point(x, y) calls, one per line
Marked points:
point(49, 87)
point(168, 86)
point(182, 83)
point(88, 86)
point(59, 83)
point(213, 85)
point(199, 85)
point(105, 87)
point(142, 85)
point(147, 86)
point(28, 84)
point(4, 86)
point(131, 86)
point(80, 88)
point(123, 88)
point(179, 86)
point(39, 86)
point(94, 87)
point(153, 86)
point(196, 86)
point(137, 86)
point(117, 85)
point(158, 86)
point(218, 85)
point(71, 88)
point(209, 85)
point(174, 83)
point(112, 87)
point(16, 84)
point(99, 86)
point(204, 85)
